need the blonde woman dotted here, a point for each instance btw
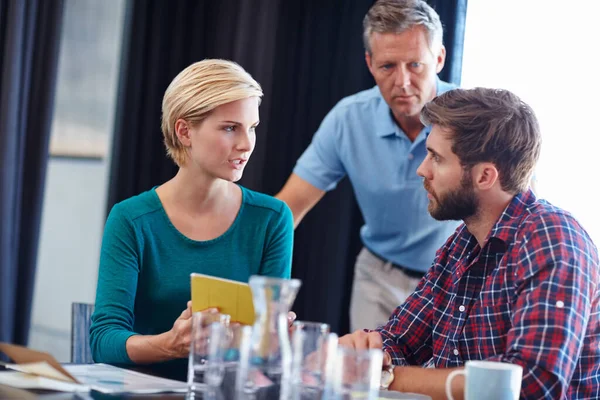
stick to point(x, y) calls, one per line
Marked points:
point(199, 221)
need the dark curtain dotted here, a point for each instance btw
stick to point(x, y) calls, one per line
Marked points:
point(453, 14)
point(29, 41)
point(307, 55)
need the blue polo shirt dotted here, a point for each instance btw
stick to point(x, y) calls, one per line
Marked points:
point(360, 138)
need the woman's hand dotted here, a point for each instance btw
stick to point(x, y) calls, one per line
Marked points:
point(180, 335)
point(175, 343)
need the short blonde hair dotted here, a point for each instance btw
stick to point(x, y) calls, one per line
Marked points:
point(196, 91)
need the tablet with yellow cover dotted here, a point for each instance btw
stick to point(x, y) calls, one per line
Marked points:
point(230, 297)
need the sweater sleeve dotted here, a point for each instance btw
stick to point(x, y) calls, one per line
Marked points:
point(277, 256)
point(113, 318)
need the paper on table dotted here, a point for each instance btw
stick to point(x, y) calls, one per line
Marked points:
point(41, 368)
point(109, 379)
point(27, 381)
point(101, 377)
point(22, 355)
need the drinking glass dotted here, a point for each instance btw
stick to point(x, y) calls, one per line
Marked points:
point(356, 374)
point(309, 355)
point(206, 366)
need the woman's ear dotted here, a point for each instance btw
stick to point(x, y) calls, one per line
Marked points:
point(183, 132)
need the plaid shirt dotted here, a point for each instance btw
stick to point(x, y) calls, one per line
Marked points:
point(529, 296)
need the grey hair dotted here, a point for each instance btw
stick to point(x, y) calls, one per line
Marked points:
point(397, 16)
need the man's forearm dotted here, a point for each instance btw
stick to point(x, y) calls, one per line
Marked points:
point(429, 381)
point(300, 196)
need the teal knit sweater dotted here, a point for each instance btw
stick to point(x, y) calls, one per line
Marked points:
point(145, 267)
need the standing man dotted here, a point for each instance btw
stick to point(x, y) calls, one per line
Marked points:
point(377, 139)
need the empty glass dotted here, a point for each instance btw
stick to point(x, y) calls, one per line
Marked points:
point(311, 346)
point(266, 354)
point(309, 354)
point(231, 358)
point(206, 366)
point(356, 374)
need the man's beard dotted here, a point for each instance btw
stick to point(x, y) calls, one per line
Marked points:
point(457, 204)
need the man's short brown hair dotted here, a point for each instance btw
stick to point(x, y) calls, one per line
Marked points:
point(490, 125)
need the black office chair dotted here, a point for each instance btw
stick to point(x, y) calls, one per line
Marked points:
point(81, 319)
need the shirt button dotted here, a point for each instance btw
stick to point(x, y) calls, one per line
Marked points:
point(461, 308)
point(410, 156)
point(455, 351)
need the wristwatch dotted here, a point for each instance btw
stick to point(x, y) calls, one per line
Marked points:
point(387, 377)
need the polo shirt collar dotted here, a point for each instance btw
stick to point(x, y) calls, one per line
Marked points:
point(385, 125)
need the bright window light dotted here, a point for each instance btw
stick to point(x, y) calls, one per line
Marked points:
point(547, 52)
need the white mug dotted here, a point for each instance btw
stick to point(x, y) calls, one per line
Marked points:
point(488, 380)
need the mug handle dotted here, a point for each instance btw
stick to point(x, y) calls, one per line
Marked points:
point(449, 379)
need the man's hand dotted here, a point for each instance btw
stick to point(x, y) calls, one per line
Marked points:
point(361, 340)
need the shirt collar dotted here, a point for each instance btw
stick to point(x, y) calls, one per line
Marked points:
point(385, 125)
point(505, 229)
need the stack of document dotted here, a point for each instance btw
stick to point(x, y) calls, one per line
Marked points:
point(37, 370)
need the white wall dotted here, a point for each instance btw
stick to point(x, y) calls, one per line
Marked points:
point(71, 233)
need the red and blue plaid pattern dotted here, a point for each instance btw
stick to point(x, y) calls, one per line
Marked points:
point(529, 296)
